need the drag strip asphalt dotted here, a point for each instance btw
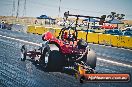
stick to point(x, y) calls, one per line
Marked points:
point(16, 73)
point(37, 44)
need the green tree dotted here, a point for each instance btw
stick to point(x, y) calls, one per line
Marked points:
point(114, 15)
point(121, 16)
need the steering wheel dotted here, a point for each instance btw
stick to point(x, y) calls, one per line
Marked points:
point(67, 36)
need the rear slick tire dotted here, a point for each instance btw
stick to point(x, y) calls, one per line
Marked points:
point(91, 58)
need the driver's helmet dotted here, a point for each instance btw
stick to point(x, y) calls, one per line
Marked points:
point(65, 35)
point(73, 34)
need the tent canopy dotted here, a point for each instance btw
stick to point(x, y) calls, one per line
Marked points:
point(43, 17)
point(115, 21)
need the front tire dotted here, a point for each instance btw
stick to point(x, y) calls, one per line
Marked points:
point(82, 79)
point(44, 56)
point(55, 61)
point(23, 53)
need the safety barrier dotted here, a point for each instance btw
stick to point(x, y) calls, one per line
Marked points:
point(31, 29)
point(126, 42)
point(57, 31)
point(39, 30)
point(104, 39)
point(82, 35)
point(98, 38)
point(93, 37)
point(114, 40)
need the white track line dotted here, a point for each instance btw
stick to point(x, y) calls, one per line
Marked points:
point(111, 47)
point(24, 41)
point(114, 62)
point(105, 60)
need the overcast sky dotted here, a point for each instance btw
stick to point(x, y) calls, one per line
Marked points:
point(35, 8)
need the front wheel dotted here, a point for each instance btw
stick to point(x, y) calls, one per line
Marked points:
point(44, 57)
point(82, 79)
point(23, 53)
point(55, 61)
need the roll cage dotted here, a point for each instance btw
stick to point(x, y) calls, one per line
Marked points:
point(67, 14)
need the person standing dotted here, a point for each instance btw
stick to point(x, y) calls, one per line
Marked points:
point(2, 24)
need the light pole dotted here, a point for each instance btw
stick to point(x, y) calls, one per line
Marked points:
point(17, 13)
point(59, 9)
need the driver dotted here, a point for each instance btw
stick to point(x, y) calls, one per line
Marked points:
point(71, 37)
point(65, 35)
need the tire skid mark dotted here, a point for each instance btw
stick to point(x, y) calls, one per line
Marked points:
point(15, 75)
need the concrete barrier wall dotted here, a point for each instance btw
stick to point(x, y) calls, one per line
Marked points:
point(114, 40)
point(82, 35)
point(37, 29)
point(98, 38)
point(31, 29)
point(93, 37)
point(57, 31)
point(126, 42)
point(104, 39)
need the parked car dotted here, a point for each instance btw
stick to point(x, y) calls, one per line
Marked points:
point(89, 30)
point(43, 17)
point(113, 32)
point(128, 28)
point(127, 33)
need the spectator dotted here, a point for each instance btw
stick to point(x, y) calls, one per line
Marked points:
point(36, 21)
point(2, 24)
